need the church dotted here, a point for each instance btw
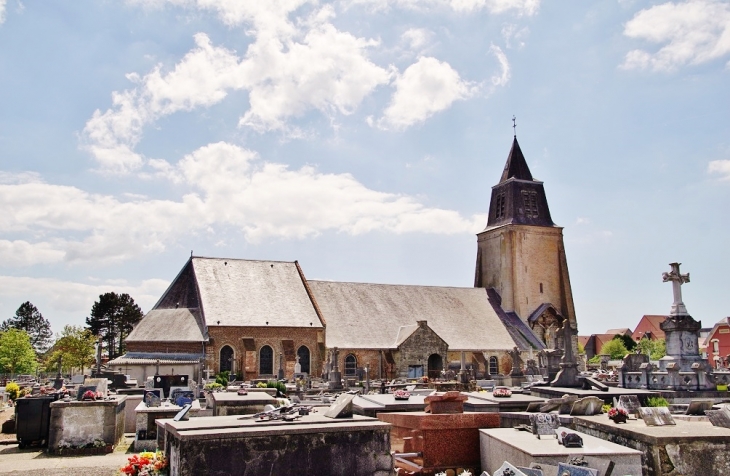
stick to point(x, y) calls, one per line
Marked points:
point(261, 319)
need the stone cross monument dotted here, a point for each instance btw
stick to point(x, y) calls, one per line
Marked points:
point(677, 279)
point(568, 374)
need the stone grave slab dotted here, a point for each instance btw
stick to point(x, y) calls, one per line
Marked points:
point(449, 402)
point(656, 416)
point(230, 403)
point(371, 405)
point(602, 465)
point(587, 406)
point(544, 424)
point(699, 407)
point(342, 407)
point(630, 403)
point(720, 417)
point(516, 403)
point(522, 448)
point(547, 469)
point(570, 470)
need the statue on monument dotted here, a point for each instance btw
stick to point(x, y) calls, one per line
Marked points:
point(677, 279)
point(516, 362)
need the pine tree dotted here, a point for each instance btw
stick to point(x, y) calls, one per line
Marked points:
point(29, 319)
point(112, 318)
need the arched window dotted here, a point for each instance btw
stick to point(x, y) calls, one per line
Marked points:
point(350, 365)
point(226, 362)
point(493, 366)
point(266, 360)
point(435, 366)
point(303, 354)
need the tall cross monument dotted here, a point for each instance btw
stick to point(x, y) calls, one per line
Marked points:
point(677, 279)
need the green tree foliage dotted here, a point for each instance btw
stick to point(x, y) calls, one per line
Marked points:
point(112, 318)
point(655, 349)
point(29, 319)
point(16, 352)
point(629, 343)
point(75, 347)
point(615, 348)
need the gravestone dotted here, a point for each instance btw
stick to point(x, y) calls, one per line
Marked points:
point(544, 424)
point(508, 470)
point(342, 408)
point(83, 389)
point(699, 407)
point(604, 466)
point(152, 398)
point(570, 470)
point(587, 406)
point(516, 363)
point(632, 362)
point(568, 374)
point(630, 403)
point(656, 416)
point(547, 469)
point(101, 384)
point(719, 417)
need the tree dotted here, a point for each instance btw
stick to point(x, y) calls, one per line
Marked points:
point(27, 318)
point(629, 343)
point(112, 318)
point(655, 349)
point(615, 348)
point(75, 347)
point(16, 352)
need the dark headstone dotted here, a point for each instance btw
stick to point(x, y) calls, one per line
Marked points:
point(83, 389)
point(656, 416)
point(544, 424)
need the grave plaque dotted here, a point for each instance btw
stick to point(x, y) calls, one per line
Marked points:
point(719, 417)
point(656, 416)
point(544, 424)
point(587, 406)
point(603, 465)
point(83, 389)
point(547, 469)
point(630, 403)
point(508, 470)
point(342, 408)
point(152, 398)
point(570, 470)
point(699, 407)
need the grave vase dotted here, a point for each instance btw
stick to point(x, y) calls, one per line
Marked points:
point(618, 418)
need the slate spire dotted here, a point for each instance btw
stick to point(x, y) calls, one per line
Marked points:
point(516, 165)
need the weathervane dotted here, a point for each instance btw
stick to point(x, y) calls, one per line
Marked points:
point(514, 124)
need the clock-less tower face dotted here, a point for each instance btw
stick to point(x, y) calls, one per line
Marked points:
point(520, 253)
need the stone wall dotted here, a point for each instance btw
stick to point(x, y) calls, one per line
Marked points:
point(417, 349)
point(76, 424)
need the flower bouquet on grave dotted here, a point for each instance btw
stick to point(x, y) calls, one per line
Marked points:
point(502, 392)
point(618, 415)
point(401, 395)
point(146, 463)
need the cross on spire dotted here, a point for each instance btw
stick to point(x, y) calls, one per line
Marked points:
point(677, 279)
point(514, 124)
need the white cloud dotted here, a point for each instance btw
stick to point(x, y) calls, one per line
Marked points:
point(288, 70)
point(416, 38)
point(692, 32)
point(230, 187)
point(505, 74)
point(521, 7)
point(720, 167)
point(57, 296)
point(426, 87)
point(2, 11)
point(514, 36)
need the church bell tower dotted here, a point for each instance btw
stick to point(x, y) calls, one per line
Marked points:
point(521, 253)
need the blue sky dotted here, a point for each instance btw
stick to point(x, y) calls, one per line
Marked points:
point(361, 138)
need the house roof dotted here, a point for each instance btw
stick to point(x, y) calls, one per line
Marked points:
point(235, 292)
point(153, 358)
point(725, 321)
point(169, 325)
point(462, 317)
point(520, 332)
point(649, 323)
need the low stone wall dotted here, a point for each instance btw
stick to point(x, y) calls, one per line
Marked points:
point(76, 424)
point(689, 448)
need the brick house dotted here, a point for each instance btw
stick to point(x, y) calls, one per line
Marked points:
point(717, 344)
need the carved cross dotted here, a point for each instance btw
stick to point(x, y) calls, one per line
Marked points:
point(677, 279)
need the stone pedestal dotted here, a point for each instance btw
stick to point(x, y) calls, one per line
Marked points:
point(335, 382)
point(77, 424)
point(145, 433)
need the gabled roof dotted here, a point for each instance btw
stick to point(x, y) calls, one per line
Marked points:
point(516, 166)
point(404, 332)
point(370, 316)
point(235, 292)
point(169, 325)
point(520, 332)
point(623, 331)
point(649, 323)
point(153, 358)
point(725, 321)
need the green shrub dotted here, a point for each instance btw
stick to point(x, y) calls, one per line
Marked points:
point(213, 386)
point(605, 408)
point(280, 386)
point(12, 390)
point(223, 378)
point(657, 402)
point(261, 385)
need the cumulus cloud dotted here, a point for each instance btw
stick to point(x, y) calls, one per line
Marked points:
point(229, 187)
point(426, 87)
point(721, 168)
point(691, 32)
point(521, 7)
point(416, 38)
point(289, 69)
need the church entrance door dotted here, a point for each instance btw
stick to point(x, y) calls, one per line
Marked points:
point(303, 354)
point(226, 362)
point(435, 366)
